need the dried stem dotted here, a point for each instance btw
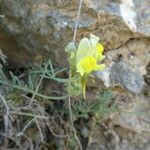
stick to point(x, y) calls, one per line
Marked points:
point(77, 21)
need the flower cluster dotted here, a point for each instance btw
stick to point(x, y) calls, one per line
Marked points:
point(89, 53)
point(86, 58)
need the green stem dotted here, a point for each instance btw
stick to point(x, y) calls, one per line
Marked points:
point(83, 82)
point(33, 92)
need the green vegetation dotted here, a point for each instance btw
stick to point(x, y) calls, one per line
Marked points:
point(37, 100)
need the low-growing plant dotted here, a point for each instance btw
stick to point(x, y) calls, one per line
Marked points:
point(25, 96)
point(85, 59)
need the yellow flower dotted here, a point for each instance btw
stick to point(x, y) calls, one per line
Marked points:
point(87, 65)
point(100, 50)
point(88, 54)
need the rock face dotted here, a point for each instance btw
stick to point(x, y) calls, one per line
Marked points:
point(34, 30)
point(129, 130)
point(123, 75)
point(127, 65)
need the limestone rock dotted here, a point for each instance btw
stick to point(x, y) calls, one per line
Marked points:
point(122, 75)
point(126, 66)
point(33, 29)
point(129, 129)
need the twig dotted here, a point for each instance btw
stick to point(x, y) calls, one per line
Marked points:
point(27, 125)
point(11, 138)
point(57, 135)
point(69, 99)
point(55, 124)
point(40, 130)
point(28, 139)
point(24, 129)
point(7, 115)
point(5, 103)
point(77, 21)
point(30, 115)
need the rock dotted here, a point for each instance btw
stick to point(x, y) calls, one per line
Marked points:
point(134, 118)
point(123, 76)
point(32, 31)
point(126, 66)
point(136, 19)
point(128, 129)
point(134, 114)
